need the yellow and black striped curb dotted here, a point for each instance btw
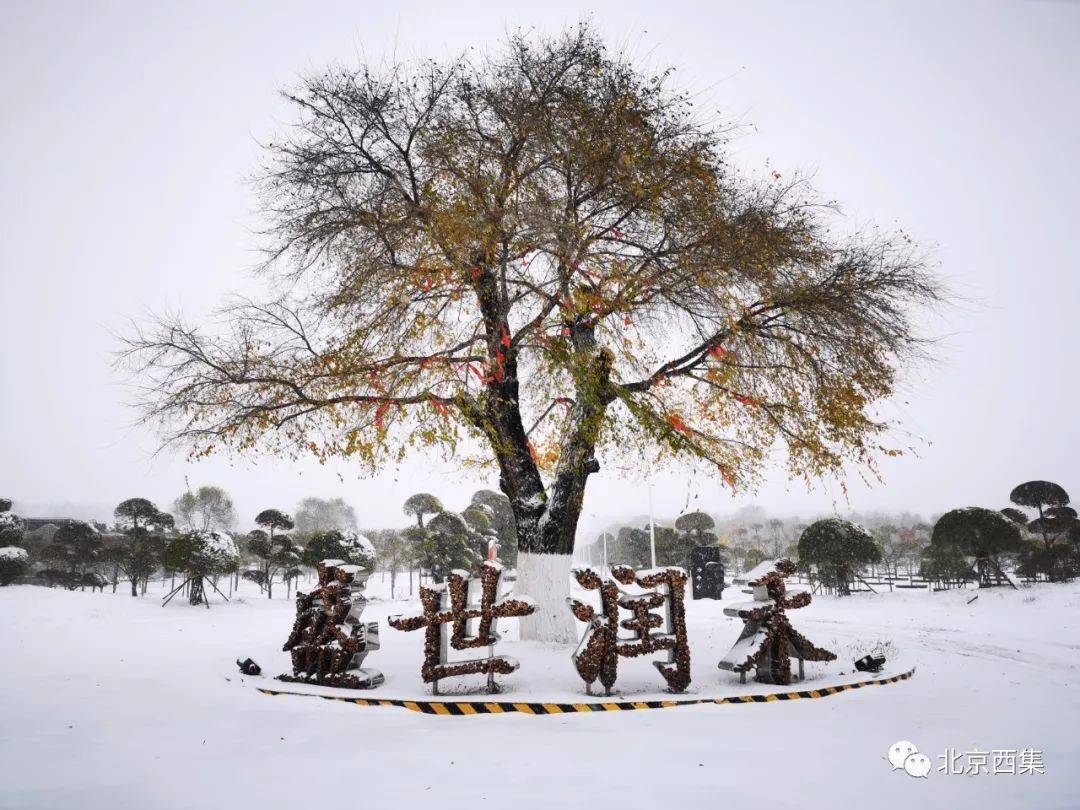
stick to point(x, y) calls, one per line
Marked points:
point(458, 708)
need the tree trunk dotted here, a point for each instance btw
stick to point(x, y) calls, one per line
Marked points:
point(546, 523)
point(135, 586)
point(843, 582)
point(547, 527)
point(546, 579)
point(195, 594)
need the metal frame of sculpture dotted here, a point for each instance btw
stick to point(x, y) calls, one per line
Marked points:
point(449, 604)
point(600, 648)
point(768, 641)
point(328, 641)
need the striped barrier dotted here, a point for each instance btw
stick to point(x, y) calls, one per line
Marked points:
point(459, 708)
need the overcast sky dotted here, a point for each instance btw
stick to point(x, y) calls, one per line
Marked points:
point(128, 129)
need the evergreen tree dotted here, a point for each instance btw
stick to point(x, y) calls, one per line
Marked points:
point(698, 526)
point(1040, 496)
point(944, 563)
point(445, 546)
point(980, 533)
point(839, 549)
point(673, 547)
point(501, 514)
point(201, 555)
point(273, 520)
point(275, 553)
point(632, 547)
point(752, 556)
point(141, 554)
point(422, 504)
point(75, 547)
point(352, 547)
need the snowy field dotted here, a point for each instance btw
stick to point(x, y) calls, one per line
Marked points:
point(112, 702)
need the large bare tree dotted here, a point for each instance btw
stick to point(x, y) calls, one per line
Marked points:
point(543, 253)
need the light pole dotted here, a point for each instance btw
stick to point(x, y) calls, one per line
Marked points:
point(652, 526)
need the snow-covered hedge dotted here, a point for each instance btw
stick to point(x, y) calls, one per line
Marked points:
point(14, 562)
point(11, 526)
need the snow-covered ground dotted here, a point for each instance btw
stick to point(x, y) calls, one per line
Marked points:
point(112, 702)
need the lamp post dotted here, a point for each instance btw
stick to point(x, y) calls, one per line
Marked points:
point(652, 523)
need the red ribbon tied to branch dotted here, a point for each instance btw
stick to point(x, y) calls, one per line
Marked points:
point(678, 424)
point(380, 414)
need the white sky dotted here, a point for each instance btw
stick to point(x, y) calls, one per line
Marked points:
point(128, 128)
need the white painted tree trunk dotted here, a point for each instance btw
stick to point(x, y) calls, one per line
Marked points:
point(546, 579)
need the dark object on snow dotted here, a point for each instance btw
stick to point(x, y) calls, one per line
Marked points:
point(870, 663)
point(249, 667)
point(707, 572)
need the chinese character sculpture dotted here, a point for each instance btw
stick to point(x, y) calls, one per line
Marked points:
point(328, 641)
point(472, 625)
point(768, 640)
point(597, 655)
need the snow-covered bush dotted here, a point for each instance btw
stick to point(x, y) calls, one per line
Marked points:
point(359, 550)
point(838, 548)
point(202, 553)
point(14, 562)
point(75, 547)
point(214, 552)
point(11, 526)
point(352, 547)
